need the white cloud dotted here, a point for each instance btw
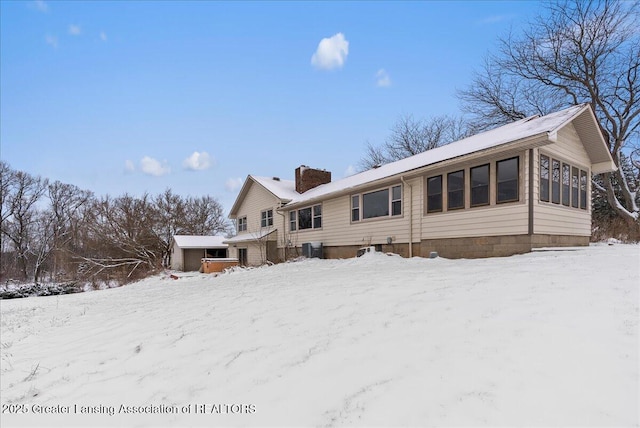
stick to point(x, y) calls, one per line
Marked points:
point(40, 6)
point(382, 78)
point(233, 184)
point(331, 53)
point(75, 30)
point(154, 167)
point(350, 171)
point(129, 166)
point(103, 36)
point(198, 161)
point(51, 40)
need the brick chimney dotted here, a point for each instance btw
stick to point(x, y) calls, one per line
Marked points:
point(308, 178)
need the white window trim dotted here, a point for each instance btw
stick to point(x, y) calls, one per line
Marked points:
point(383, 217)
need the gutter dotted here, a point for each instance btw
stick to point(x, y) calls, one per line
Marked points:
point(410, 214)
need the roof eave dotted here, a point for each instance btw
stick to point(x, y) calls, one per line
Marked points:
point(532, 141)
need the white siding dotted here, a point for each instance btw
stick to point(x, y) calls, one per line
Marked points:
point(509, 218)
point(337, 228)
point(557, 219)
point(257, 200)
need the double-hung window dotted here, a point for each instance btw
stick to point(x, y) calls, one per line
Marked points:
point(480, 185)
point(355, 208)
point(317, 216)
point(555, 181)
point(242, 224)
point(507, 182)
point(544, 178)
point(574, 187)
point(583, 189)
point(455, 190)
point(566, 183)
point(292, 221)
point(266, 218)
point(434, 194)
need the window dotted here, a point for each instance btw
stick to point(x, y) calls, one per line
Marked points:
point(304, 218)
point(355, 208)
point(480, 185)
point(555, 182)
point(583, 189)
point(544, 178)
point(308, 218)
point(242, 224)
point(375, 204)
point(381, 203)
point(574, 187)
point(455, 190)
point(266, 218)
point(566, 195)
point(507, 180)
point(434, 194)
point(396, 200)
point(292, 221)
point(317, 216)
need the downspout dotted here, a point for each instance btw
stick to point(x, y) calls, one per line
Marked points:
point(284, 230)
point(410, 215)
point(530, 228)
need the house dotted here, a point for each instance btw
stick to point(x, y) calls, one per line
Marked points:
point(501, 192)
point(188, 251)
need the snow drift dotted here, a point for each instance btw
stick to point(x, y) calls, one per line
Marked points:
point(547, 338)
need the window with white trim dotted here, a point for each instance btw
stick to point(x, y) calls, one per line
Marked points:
point(266, 218)
point(242, 224)
point(379, 203)
point(306, 218)
point(292, 221)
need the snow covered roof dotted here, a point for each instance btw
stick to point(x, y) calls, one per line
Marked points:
point(284, 190)
point(525, 133)
point(543, 127)
point(250, 237)
point(193, 241)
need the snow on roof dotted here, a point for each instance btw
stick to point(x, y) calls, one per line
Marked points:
point(249, 237)
point(512, 132)
point(193, 241)
point(283, 189)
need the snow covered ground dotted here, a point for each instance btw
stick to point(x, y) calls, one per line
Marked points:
point(544, 339)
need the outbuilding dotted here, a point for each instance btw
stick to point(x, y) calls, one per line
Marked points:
point(187, 251)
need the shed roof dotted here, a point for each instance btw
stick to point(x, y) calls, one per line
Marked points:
point(195, 241)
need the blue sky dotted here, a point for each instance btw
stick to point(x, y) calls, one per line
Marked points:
point(123, 96)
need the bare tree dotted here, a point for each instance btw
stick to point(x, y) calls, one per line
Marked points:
point(205, 216)
point(578, 52)
point(410, 136)
point(20, 213)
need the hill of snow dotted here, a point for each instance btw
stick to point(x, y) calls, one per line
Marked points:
point(547, 338)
